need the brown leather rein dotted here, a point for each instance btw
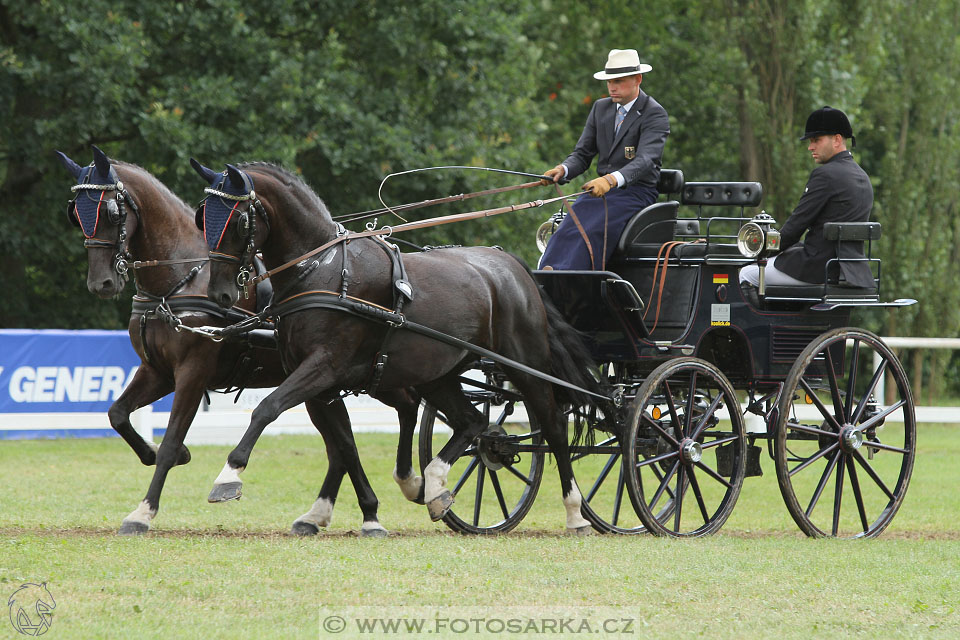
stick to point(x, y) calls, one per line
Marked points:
point(410, 226)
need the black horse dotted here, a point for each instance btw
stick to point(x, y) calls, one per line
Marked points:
point(148, 222)
point(481, 295)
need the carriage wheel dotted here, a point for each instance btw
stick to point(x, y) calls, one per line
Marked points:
point(599, 470)
point(679, 487)
point(494, 481)
point(844, 461)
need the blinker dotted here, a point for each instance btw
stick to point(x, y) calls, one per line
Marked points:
point(198, 216)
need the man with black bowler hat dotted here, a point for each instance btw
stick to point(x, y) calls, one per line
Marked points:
point(837, 191)
point(626, 133)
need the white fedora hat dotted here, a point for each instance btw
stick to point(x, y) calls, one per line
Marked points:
point(620, 63)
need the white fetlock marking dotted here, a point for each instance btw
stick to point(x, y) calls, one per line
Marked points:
point(435, 479)
point(372, 525)
point(572, 502)
point(153, 445)
point(320, 514)
point(229, 474)
point(143, 514)
point(409, 486)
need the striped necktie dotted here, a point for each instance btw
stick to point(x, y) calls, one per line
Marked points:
point(621, 114)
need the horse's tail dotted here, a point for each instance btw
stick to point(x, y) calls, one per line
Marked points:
point(572, 362)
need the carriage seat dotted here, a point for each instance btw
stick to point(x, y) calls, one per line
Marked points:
point(836, 286)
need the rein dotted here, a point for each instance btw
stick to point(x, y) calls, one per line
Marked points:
point(409, 226)
point(363, 215)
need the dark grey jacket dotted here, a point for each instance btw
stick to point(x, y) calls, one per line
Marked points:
point(837, 191)
point(636, 152)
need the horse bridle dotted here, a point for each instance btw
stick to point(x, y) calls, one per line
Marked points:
point(247, 228)
point(116, 214)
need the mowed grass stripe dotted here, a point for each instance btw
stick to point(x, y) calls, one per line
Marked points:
point(230, 570)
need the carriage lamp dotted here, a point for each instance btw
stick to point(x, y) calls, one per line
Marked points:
point(758, 238)
point(547, 229)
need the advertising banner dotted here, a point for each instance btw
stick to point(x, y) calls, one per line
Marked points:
point(60, 371)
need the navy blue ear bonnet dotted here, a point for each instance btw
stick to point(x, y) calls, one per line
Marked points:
point(224, 200)
point(91, 203)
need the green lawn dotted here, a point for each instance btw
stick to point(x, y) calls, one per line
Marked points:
point(230, 570)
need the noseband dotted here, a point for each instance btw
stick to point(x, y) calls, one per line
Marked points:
point(247, 225)
point(117, 215)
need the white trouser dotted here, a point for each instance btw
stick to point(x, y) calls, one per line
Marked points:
point(772, 276)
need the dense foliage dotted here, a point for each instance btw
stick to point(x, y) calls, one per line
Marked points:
point(346, 92)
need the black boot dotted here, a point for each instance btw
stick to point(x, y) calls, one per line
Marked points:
point(750, 294)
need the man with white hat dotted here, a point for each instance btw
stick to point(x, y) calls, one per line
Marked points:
point(626, 132)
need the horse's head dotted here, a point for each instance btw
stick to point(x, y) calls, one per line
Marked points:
point(100, 209)
point(228, 218)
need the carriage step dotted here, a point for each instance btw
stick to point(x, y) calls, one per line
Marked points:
point(725, 461)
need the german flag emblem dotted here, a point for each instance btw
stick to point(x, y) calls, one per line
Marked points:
point(720, 278)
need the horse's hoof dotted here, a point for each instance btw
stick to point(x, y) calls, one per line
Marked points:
point(585, 530)
point(374, 533)
point(133, 528)
point(225, 492)
point(439, 506)
point(184, 456)
point(301, 528)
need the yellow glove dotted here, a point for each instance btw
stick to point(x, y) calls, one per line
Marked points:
point(556, 173)
point(599, 186)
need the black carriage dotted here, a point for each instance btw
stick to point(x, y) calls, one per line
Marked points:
point(704, 381)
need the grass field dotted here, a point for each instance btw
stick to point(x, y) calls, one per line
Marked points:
point(230, 571)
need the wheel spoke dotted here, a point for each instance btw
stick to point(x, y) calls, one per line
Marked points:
point(664, 486)
point(696, 491)
point(478, 499)
point(713, 474)
point(691, 393)
point(661, 430)
point(466, 474)
point(872, 473)
point(884, 447)
point(834, 387)
point(827, 471)
point(706, 416)
point(796, 426)
point(855, 484)
point(851, 383)
point(717, 443)
point(619, 497)
point(838, 497)
point(874, 381)
point(819, 454)
point(674, 416)
point(678, 503)
point(874, 420)
point(505, 413)
point(523, 478)
point(603, 476)
point(496, 487)
point(660, 458)
point(823, 410)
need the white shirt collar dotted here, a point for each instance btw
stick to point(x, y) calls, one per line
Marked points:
point(629, 105)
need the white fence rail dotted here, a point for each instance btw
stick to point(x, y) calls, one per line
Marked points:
point(224, 422)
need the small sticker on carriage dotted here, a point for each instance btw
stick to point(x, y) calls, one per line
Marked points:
point(719, 314)
point(721, 278)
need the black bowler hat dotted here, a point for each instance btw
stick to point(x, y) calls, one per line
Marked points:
point(828, 121)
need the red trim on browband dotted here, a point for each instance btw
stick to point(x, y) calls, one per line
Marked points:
point(95, 222)
point(229, 218)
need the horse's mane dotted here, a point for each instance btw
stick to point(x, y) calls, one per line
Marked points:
point(290, 179)
point(158, 185)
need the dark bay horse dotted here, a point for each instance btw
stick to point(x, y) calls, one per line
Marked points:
point(154, 224)
point(481, 295)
